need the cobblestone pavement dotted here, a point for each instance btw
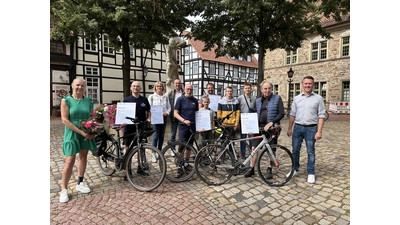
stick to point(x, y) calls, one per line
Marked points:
point(239, 201)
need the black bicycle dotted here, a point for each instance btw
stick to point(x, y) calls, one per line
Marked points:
point(140, 171)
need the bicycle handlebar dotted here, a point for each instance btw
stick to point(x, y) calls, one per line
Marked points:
point(221, 120)
point(135, 120)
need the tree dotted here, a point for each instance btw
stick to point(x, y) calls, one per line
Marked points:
point(144, 24)
point(245, 27)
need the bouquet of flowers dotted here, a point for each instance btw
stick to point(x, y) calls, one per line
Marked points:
point(98, 113)
point(91, 126)
point(110, 113)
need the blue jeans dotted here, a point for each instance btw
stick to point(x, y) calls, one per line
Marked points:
point(308, 134)
point(243, 146)
point(174, 128)
point(158, 135)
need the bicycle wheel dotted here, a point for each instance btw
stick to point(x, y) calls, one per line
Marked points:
point(107, 160)
point(326, 116)
point(214, 165)
point(145, 176)
point(285, 166)
point(175, 160)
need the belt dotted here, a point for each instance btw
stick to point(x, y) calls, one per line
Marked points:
point(310, 125)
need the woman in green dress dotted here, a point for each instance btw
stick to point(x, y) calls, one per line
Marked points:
point(75, 108)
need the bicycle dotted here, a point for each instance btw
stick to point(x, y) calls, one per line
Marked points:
point(111, 157)
point(215, 164)
point(287, 114)
point(174, 153)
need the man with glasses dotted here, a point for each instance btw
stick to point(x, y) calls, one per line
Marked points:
point(269, 111)
point(185, 112)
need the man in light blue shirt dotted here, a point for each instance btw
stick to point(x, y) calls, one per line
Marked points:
point(308, 116)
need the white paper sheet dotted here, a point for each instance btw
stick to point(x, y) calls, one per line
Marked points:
point(203, 120)
point(125, 109)
point(249, 123)
point(157, 114)
point(214, 99)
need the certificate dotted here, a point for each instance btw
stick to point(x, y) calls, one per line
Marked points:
point(249, 122)
point(157, 114)
point(214, 99)
point(125, 109)
point(203, 120)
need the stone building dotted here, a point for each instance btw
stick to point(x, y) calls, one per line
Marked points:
point(327, 60)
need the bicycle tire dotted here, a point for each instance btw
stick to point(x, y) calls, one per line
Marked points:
point(206, 164)
point(106, 161)
point(155, 171)
point(176, 160)
point(279, 173)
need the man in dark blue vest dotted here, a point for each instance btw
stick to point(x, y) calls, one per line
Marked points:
point(269, 111)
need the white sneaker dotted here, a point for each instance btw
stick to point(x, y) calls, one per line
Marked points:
point(82, 187)
point(311, 178)
point(64, 196)
point(154, 158)
point(294, 174)
point(172, 154)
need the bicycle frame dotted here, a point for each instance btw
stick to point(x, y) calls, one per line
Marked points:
point(263, 143)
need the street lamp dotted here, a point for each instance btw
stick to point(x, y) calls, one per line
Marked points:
point(290, 79)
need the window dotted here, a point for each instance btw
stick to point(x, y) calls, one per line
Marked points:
point(220, 89)
point(320, 88)
point(91, 71)
point(345, 46)
point(319, 50)
point(291, 57)
point(187, 51)
point(234, 91)
point(294, 90)
point(235, 72)
point(221, 70)
point(89, 46)
point(131, 51)
point(178, 57)
point(195, 90)
point(212, 68)
point(106, 45)
point(275, 89)
point(57, 47)
point(92, 89)
point(346, 91)
point(195, 67)
point(243, 73)
point(249, 58)
point(187, 68)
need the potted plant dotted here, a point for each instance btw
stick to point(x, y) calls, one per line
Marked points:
point(60, 93)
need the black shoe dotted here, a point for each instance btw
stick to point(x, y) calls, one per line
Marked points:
point(269, 173)
point(125, 178)
point(142, 173)
point(179, 173)
point(249, 173)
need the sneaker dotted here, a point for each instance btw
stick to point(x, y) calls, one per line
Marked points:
point(154, 158)
point(311, 178)
point(269, 173)
point(64, 196)
point(82, 187)
point(294, 174)
point(142, 173)
point(179, 173)
point(188, 168)
point(172, 154)
point(249, 173)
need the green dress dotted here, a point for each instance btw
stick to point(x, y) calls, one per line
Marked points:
point(74, 142)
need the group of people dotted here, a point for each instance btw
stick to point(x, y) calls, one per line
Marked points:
point(180, 106)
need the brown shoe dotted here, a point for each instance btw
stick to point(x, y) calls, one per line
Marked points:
point(188, 168)
point(179, 173)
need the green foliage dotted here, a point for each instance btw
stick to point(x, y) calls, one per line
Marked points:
point(142, 23)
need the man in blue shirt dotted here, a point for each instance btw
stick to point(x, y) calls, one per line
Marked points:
point(185, 112)
point(308, 116)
